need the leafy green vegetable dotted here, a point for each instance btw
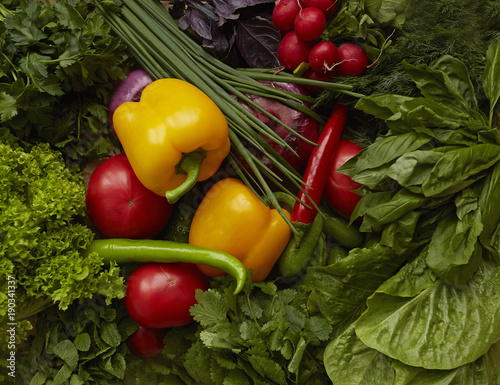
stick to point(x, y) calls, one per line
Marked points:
point(43, 234)
point(431, 194)
point(433, 329)
point(357, 19)
point(59, 67)
point(365, 365)
point(84, 344)
point(264, 336)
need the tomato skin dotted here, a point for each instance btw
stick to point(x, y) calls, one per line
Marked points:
point(146, 342)
point(338, 190)
point(118, 204)
point(159, 295)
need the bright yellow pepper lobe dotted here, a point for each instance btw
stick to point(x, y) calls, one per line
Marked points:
point(172, 118)
point(232, 219)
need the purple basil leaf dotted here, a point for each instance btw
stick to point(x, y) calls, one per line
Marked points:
point(200, 18)
point(227, 8)
point(220, 44)
point(258, 39)
point(223, 46)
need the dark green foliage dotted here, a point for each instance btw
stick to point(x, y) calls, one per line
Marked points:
point(58, 68)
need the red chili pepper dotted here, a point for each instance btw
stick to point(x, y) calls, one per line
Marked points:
point(318, 166)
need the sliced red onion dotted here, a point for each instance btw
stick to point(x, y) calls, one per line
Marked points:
point(128, 90)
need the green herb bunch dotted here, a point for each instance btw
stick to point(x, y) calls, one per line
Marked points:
point(423, 31)
point(58, 67)
point(264, 336)
point(84, 344)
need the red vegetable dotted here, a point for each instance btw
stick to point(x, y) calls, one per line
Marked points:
point(353, 60)
point(309, 23)
point(128, 90)
point(292, 50)
point(159, 295)
point(323, 57)
point(298, 121)
point(284, 13)
point(146, 342)
point(317, 169)
point(339, 187)
point(119, 205)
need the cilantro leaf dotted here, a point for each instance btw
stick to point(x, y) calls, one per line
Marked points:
point(58, 60)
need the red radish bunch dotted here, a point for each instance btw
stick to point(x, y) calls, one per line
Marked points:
point(301, 23)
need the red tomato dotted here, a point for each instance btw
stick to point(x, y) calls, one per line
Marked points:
point(146, 342)
point(159, 295)
point(119, 205)
point(338, 190)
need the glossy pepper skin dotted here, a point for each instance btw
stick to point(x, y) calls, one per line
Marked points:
point(173, 132)
point(232, 219)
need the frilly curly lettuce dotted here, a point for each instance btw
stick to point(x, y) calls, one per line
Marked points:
point(43, 234)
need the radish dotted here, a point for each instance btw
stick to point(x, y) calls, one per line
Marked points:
point(292, 51)
point(284, 14)
point(309, 23)
point(323, 57)
point(353, 60)
point(329, 7)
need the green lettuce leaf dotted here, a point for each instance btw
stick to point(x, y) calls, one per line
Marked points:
point(491, 76)
point(350, 362)
point(43, 234)
point(354, 277)
point(434, 329)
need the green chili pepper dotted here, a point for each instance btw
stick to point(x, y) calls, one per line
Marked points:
point(339, 230)
point(297, 256)
point(139, 250)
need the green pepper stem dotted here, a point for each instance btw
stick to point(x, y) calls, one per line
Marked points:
point(190, 165)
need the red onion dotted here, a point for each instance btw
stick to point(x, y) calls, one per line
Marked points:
point(296, 120)
point(128, 90)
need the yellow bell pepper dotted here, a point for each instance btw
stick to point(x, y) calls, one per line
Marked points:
point(231, 218)
point(173, 137)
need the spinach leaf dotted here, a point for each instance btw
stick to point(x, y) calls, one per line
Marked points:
point(351, 362)
point(370, 166)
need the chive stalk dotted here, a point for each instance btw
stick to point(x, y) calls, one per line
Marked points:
point(163, 50)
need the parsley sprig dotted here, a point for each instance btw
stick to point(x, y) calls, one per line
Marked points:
point(58, 67)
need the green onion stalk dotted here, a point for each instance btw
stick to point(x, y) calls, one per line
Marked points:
point(164, 50)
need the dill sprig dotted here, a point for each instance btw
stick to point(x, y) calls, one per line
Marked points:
point(432, 28)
